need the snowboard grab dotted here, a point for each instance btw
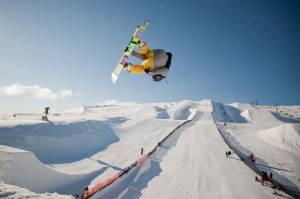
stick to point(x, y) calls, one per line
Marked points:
point(155, 63)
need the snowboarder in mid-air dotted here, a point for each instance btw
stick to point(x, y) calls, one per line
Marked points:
point(155, 62)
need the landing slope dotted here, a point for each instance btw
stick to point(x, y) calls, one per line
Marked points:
point(191, 164)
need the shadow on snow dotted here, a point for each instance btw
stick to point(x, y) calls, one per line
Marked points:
point(62, 142)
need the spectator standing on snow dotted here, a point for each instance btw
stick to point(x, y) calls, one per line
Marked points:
point(251, 157)
point(47, 111)
point(262, 180)
point(228, 153)
point(264, 177)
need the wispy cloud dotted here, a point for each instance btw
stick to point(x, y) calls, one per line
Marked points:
point(36, 91)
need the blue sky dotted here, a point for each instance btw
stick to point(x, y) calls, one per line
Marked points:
point(222, 50)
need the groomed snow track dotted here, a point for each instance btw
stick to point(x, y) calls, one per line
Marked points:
point(98, 189)
point(173, 163)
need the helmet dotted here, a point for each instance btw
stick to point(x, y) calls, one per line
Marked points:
point(157, 78)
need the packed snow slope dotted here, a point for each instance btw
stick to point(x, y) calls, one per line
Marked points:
point(289, 112)
point(191, 164)
point(24, 169)
point(14, 192)
point(85, 145)
point(273, 138)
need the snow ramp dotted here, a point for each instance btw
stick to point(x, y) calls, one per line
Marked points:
point(286, 136)
point(227, 113)
point(60, 141)
point(113, 186)
point(245, 114)
point(195, 166)
point(23, 169)
point(8, 191)
point(191, 163)
point(261, 118)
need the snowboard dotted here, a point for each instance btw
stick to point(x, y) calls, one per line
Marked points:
point(135, 40)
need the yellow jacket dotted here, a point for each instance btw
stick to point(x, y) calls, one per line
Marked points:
point(147, 64)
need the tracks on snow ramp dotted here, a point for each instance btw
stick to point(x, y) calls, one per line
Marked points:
point(119, 181)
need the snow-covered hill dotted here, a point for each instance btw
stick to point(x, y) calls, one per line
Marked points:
point(269, 136)
point(82, 146)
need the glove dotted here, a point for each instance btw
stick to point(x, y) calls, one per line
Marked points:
point(127, 67)
point(141, 44)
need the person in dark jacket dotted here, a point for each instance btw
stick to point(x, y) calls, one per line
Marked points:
point(228, 153)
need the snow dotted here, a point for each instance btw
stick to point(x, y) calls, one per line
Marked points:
point(241, 106)
point(291, 112)
point(194, 170)
point(76, 110)
point(273, 140)
point(60, 138)
point(246, 114)
point(82, 146)
point(262, 118)
point(22, 168)
point(14, 192)
point(286, 136)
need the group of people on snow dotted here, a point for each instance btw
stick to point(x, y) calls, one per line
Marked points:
point(269, 178)
point(263, 175)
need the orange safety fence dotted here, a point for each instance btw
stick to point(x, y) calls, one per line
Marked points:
point(101, 185)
